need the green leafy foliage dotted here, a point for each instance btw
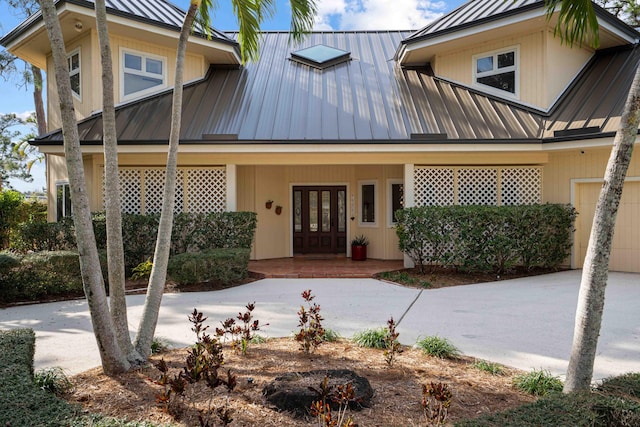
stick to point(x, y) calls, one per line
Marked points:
point(40, 275)
point(371, 338)
point(142, 270)
point(22, 403)
point(610, 405)
point(486, 238)
point(10, 202)
point(311, 332)
point(538, 382)
point(330, 335)
point(438, 347)
point(53, 380)
point(489, 367)
point(225, 266)
point(404, 278)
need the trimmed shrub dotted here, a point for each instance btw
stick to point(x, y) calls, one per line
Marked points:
point(40, 275)
point(224, 266)
point(37, 235)
point(22, 403)
point(10, 202)
point(486, 238)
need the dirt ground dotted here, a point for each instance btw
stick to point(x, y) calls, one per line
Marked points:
point(396, 402)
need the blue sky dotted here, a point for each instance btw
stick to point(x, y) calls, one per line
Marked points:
point(332, 14)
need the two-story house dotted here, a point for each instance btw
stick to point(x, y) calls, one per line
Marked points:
point(483, 106)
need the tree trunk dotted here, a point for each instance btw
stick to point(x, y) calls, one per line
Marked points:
point(113, 211)
point(596, 264)
point(158, 276)
point(41, 119)
point(113, 360)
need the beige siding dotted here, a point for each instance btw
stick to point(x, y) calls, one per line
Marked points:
point(542, 75)
point(56, 173)
point(575, 177)
point(85, 105)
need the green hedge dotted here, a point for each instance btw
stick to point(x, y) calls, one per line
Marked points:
point(191, 232)
point(35, 276)
point(487, 238)
point(224, 266)
point(22, 403)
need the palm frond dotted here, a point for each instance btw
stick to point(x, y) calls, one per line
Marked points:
point(577, 21)
point(203, 17)
point(249, 19)
point(303, 13)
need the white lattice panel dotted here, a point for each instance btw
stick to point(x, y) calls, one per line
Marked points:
point(154, 188)
point(130, 190)
point(434, 186)
point(477, 187)
point(521, 186)
point(206, 190)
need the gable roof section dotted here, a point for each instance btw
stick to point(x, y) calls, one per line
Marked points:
point(277, 100)
point(155, 12)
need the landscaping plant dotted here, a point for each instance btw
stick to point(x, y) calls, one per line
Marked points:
point(241, 334)
point(538, 382)
point(53, 380)
point(436, 399)
point(321, 408)
point(489, 367)
point(392, 345)
point(311, 332)
point(438, 347)
point(370, 338)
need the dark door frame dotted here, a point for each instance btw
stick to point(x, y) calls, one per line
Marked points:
point(348, 208)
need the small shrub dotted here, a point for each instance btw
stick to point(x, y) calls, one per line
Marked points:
point(538, 382)
point(241, 334)
point(489, 367)
point(436, 399)
point(159, 345)
point(438, 347)
point(371, 338)
point(258, 339)
point(320, 409)
point(330, 335)
point(391, 343)
point(310, 322)
point(53, 380)
point(225, 266)
point(142, 270)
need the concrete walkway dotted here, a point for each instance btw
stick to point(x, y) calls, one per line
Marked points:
point(525, 323)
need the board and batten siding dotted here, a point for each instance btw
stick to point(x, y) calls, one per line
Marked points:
point(546, 66)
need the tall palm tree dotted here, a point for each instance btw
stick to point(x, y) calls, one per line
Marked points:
point(250, 16)
point(577, 23)
point(113, 359)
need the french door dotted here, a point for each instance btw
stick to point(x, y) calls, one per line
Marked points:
point(319, 219)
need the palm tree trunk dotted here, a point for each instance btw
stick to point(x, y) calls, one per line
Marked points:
point(596, 265)
point(113, 360)
point(37, 100)
point(115, 250)
point(151, 309)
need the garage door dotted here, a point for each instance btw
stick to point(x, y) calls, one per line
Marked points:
point(625, 252)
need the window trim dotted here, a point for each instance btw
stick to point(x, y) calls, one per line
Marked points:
point(390, 183)
point(143, 55)
point(63, 184)
point(495, 71)
point(376, 203)
point(77, 71)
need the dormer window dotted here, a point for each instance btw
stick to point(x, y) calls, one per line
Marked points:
point(141, 74)
point(73, 62)
point(497, 71)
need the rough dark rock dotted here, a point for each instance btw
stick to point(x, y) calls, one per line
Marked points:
point(291, 392)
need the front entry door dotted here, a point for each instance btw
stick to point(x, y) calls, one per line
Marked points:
point(320, 219)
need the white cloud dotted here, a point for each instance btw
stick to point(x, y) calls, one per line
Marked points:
point(24, 115)
point(377, 14)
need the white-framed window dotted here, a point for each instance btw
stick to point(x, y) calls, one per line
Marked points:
point(75, 77)
point(141, 73)
point(395, 199)
point(498, 71)
point(368, 196)
point(63, 200)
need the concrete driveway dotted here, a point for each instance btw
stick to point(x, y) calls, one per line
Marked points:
point(525, 323)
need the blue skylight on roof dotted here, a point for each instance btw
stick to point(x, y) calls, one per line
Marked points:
point(321, 56)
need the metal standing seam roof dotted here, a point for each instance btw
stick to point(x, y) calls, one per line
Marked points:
point(155, 12)
point(478, 12)
point(367, 99)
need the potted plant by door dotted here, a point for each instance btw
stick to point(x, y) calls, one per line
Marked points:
point(359, 248)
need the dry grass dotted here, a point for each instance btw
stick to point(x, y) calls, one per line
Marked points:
point(397, 399)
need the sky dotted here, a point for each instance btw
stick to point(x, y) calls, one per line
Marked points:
point(332, 15)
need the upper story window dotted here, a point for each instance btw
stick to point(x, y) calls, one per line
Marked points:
point(497, 71)
point(141, 74)
point(73, 62)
